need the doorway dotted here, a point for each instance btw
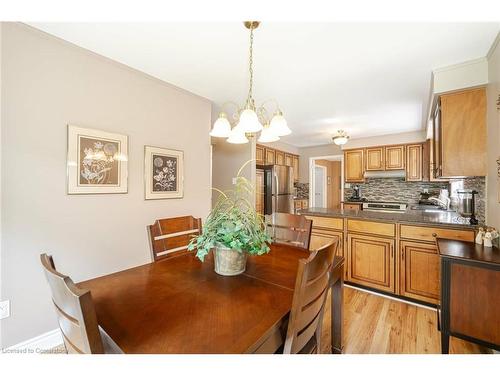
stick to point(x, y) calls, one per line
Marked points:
point(325, 181)
point(320, 186)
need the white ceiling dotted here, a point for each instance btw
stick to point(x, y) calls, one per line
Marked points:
point(368, 79)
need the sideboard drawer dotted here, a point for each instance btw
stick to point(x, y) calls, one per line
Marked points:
point(429, 233)
point(332, 223)
point(372, 227)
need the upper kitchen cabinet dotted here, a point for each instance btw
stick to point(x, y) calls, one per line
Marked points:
point(375, 159)
point(280, 157)
point(260, 155)
point(354, 165)
point(288, 160)
point(395, 157)
point(270, 156)
point(414, 162)
point(459, 134)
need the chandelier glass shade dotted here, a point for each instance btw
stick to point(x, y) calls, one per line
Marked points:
point(268, 135)
point(341, 138)
point(248, 119)
point(222, 127)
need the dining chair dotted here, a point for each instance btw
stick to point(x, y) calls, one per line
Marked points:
point(76, 314)
point(172, 235)
point(309, 299)
point(289, 229)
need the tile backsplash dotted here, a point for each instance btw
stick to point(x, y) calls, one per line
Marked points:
point(395, 189)
point(302, 190)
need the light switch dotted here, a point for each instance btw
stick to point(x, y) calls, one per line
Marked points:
point(4, 309)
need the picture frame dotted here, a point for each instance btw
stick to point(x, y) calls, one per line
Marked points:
point(97, 161)
point(163, 173)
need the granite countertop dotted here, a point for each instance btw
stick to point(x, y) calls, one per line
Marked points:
point(445, 219)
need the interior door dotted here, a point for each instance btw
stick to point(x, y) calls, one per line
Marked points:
point(319, 186)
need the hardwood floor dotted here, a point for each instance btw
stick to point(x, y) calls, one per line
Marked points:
point(374, 324)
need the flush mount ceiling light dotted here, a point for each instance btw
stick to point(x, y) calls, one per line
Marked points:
point(341, 138)
point(248, 119)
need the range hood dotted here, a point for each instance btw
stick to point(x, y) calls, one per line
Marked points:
point(385, 174)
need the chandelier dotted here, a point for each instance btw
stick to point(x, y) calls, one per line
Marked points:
point(250, 119)
point(341, 138)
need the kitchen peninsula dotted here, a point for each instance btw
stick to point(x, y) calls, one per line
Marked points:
point(393, 253)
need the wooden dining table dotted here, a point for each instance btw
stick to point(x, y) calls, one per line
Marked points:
point(180, 305)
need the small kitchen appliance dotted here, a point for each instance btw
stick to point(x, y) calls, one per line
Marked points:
point(467, 205)
point(356, 194)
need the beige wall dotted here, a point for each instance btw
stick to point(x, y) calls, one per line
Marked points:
point(493, 123)
point(46, 84)
point(308, 152)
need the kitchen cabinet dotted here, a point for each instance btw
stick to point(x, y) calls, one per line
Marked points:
point(259, 191)
point(352, 206)
point(375, 159)
point(270, 156)
point(371, 261)
point(280, 157)
point(260, 155)
point(419, 271)
point(288, 160)
point(295, 165)
point(354, 165)
point(459, 134)
point(395, 157)
point(300, 204)
point(414, 162)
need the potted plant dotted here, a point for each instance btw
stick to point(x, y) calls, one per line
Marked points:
point(233, 229)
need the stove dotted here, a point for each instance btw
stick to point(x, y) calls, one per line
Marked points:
point(385, 206)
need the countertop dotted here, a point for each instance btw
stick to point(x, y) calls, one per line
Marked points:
point(469, 251)
point(445, 219)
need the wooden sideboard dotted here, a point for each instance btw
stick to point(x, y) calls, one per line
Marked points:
point(470, 293)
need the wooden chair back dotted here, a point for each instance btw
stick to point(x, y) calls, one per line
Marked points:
point(172, 235)
point(289, 229)
point(309, 298)
point(75, 312)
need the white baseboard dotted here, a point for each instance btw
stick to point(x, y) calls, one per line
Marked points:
point(45, 341)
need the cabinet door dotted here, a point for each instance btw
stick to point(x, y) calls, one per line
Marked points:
point(259, 191)
point(260, 154)
point(419, 271)
point(295, 165)
point(288, 160)
point(354, 166)
point(322, 237)
point(375, 159)
point(395, 157)
point(371, 262)
point(280, 158)
point(270, 156)
point(414, 162)
point(463, 133)
point(436, 167)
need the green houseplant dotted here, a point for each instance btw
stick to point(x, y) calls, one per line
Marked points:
point(233, 229)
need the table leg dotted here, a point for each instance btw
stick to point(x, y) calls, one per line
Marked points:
point(445, 343)
point(337, 308)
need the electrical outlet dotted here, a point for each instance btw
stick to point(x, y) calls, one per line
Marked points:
point(426, 191)
point(4, 309)
point(234, 180)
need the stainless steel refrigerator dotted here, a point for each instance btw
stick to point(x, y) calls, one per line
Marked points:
point(278, 189)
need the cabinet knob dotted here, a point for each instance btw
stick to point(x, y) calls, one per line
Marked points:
point(434, 235)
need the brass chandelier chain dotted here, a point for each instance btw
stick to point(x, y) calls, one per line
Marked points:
point(250, 102)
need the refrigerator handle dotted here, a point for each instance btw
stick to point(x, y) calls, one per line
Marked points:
point(277, 192)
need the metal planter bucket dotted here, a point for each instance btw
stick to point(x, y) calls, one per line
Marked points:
point(229, 262)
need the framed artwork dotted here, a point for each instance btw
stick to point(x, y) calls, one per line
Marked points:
point(163, 173)
point(97, 161)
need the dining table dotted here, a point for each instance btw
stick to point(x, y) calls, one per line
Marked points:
point(179, 305)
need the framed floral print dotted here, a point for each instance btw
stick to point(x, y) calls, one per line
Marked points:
point(97, 161)
point(163, 173)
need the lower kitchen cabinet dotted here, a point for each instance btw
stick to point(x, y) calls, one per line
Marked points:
point(419, 271)
point(320, 237)
point(371, 261)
